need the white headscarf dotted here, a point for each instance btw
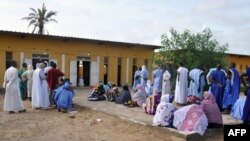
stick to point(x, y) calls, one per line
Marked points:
point(30, 67)
point(164, 112)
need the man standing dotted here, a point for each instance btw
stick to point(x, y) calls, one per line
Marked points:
point(144, 75)
point(40, 96)
point(217, 79)
point(23, 83)
point(53, 79)
point(137, 78)
point(157, 75)
point(181, 85)
point(235, 88)
point(12, 100)
point(246, 110)
point(197, 82)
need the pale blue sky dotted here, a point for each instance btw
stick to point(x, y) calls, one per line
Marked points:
point(137, 21)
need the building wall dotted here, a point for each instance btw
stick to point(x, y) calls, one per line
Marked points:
point(241, 61)
point(55, 48)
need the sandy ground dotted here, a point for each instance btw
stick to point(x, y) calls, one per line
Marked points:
point(48, 125)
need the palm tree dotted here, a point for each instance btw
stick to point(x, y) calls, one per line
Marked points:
point(39, 18)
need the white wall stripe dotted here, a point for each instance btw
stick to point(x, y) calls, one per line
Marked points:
point(63, 63)
point(127, 70)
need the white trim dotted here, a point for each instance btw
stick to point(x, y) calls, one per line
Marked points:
point(127, 70)
point(63, 63)
point(73, 72)
point(94, 71)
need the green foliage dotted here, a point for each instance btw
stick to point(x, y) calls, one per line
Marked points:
point(38, 18)
point(192, 50)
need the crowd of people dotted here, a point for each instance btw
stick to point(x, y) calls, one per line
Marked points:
point(44, 87)
point(200, 108)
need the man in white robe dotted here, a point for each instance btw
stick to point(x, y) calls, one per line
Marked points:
point(166, 84)
point(197, 82)
point(40, 94)
point(12, 99)
point(181, 87)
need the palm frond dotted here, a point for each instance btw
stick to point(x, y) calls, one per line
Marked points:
point(50, 14)
point(32, 22)
point(53, 20)
point(34, 29)
point(32, 9)
point(38, 18)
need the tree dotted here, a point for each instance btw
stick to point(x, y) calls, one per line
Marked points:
point(38, 18)
point(193, 50)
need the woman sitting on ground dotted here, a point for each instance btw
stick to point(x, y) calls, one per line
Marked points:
point(113, 92)
point(124, 97)
point(139, 97)
point(191, 118)
point(165, 112)
point(211, 110)
point(152, 103)
point(97, 93)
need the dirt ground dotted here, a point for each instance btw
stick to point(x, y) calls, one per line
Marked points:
point(48, 125)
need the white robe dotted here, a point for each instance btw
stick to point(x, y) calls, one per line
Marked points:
point(40, 94)
point(181, 86)
point(166, 85)
point(12, 100)
point(194, 85)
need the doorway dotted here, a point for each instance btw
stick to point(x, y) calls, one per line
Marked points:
point(119, 71)
point(105, 75)
point(83, 73)
point(38, 58)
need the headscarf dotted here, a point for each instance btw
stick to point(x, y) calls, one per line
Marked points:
point(143, 67)
point(211, 108)
point(164, 112)
point(41, 65)
point(208, 97)
point(191, 118)
point(165, 98)
point(140, 95)
point(30, 67)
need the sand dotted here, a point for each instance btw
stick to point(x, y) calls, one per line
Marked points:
point(87, 125)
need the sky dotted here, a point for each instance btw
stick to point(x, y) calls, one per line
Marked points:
point(137, 21)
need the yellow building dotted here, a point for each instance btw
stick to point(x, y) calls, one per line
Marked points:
point(80, 59)
point(241, 61)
